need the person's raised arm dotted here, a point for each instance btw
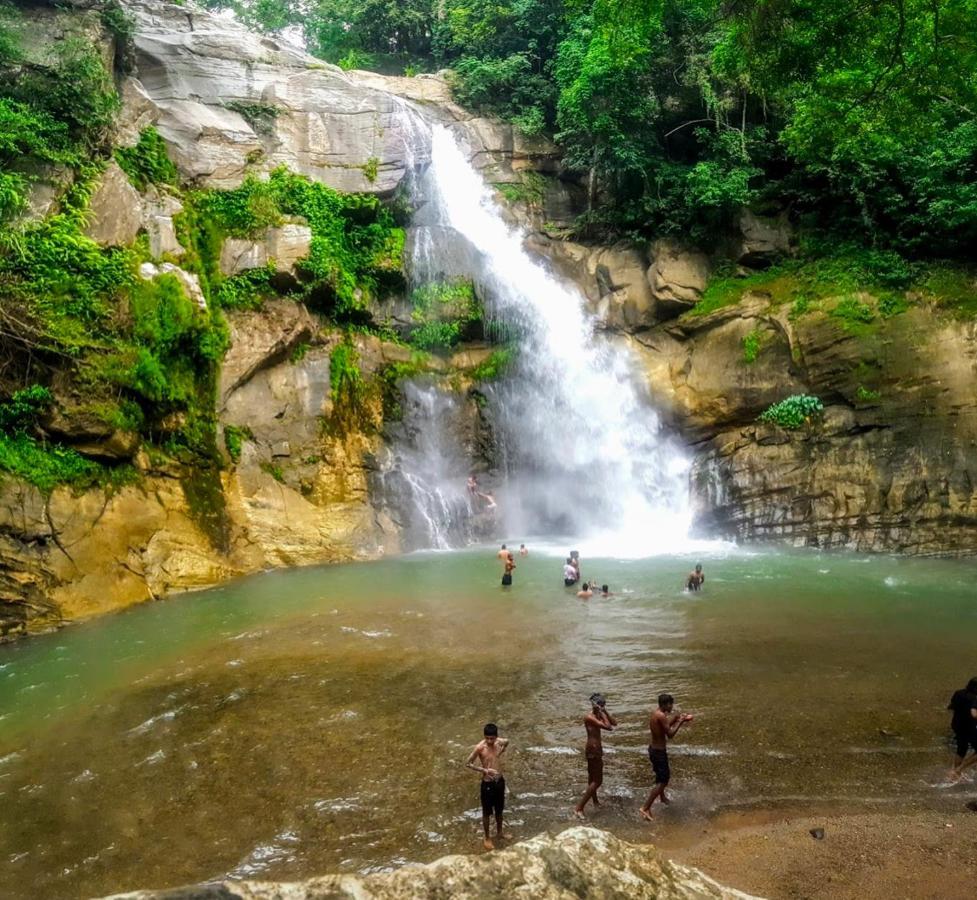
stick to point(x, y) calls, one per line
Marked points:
point(610, 719)
point(599, 722)
point(678, 720)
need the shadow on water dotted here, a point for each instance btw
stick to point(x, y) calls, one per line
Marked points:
point(317, 720)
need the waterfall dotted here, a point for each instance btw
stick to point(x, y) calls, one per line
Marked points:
point(581, 452)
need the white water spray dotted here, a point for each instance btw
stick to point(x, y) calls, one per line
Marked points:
point(585, 455)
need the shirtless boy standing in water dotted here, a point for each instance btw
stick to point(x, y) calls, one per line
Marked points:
point(663, 726)
point(487, 759)
point(598, 720)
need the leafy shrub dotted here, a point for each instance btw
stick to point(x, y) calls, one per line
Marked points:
point(147, 162)
point(245, 210)
point(493, 366)
point(260, 116)
point(751, 346)
point(345, 380)
point(793, 412)
point(45, 465)
point(234, 438)
point(248, 290)
point(853, 312)
point(23, 408)
point(866, 395)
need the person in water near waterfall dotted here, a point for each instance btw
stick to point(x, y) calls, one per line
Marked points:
point(570, 574)
point(696, 578)
point(487, 759)
point(508, 566)
point(963, 704)
point(663, 725)
point(597, 721)
point(502, 554)
point(585, 593)
point(604, 592)
point(472, 485)
point(523, 551)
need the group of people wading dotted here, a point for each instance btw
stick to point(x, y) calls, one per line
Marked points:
point(487, 756)
point(487, 759)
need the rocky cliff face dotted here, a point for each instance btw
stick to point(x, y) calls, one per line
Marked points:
point(578, 862)
point(892, 463)
point(229, 104)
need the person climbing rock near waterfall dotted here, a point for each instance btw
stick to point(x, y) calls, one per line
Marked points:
point(487, 759)
point(598, 720)
point(696, 578)
point(508, 566)
point(663, 725)
point(472, 485)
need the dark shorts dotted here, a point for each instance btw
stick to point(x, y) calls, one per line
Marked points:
point(493, 797)
point(659, 763)
point(964, 741)
point(569, 582)
point(595, 767)
point(506, 580)
point(692, 585)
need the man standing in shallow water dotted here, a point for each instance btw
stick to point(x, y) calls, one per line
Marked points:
point(663, 725)
point(598, 720)
point(487, 759)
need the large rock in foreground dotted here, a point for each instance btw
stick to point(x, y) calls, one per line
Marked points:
point(579, 862)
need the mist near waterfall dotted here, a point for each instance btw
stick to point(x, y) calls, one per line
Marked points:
point(580, 449)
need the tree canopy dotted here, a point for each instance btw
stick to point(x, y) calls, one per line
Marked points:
point(859, 116)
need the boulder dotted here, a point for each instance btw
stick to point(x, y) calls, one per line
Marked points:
point(116, 209)
point(577, 862)
point(158, 211)
point(677, 278)
point(763, 239)
point(262, 338)
point(283, 247)
point(625, 299)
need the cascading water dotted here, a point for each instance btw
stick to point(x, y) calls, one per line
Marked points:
point(580, 450)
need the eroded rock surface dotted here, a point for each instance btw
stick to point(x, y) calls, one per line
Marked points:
point(578, 862)
point(892, 464)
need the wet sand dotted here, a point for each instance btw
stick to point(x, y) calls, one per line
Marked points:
point(863, 855)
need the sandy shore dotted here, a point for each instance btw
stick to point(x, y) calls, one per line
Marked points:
point(862, 856)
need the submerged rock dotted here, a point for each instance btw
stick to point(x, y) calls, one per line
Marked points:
point(578, 862)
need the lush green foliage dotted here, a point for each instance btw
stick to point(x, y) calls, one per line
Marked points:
point(45, 465)
point(859, 117)
point(23, 408)
point(345, 379)
point(147, 163)
point(494, 366)
point(793, 412)
point(752, 343)
point(444, 312)
point(234, 438)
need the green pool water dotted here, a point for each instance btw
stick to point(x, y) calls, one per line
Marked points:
point(317, 720)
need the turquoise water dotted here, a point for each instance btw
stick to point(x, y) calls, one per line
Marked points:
point(316, 720)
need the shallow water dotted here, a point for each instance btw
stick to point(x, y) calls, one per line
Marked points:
point(317, 720)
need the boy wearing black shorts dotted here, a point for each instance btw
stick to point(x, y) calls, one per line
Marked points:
point(663, 725)
point(487, 759)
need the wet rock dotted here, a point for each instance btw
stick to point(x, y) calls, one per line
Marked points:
point(895, 474)
point(116, 209)
point(817, 834)
point(578, 862)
